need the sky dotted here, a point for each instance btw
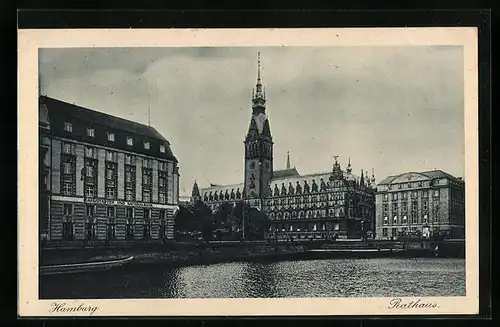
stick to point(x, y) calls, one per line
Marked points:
point(390, 109)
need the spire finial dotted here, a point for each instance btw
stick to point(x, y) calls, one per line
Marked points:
point(288, 160)
point(258, 67)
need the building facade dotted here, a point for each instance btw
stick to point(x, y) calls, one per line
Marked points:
point(314, 206)
point(425, 204)
point(105, 179)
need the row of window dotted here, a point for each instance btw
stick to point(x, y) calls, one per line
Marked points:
point(413, 195)
point(68, 127)
point(414, 219)
point(112, 156)
point(336, 196)
point(130, 212)
point(68, 230)
point(394, 231)
point(339, 212)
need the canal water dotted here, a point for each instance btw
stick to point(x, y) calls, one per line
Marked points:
point(378, 277)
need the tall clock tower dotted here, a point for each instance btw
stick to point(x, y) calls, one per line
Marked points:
point(258, 146)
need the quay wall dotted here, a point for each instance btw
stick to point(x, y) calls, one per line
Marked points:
point(192, 253)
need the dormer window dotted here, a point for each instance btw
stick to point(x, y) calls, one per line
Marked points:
point(130, 140)
point(162, 148)
point(68, 127)
point(90, 132)
point(111, 137)
point(146, 145)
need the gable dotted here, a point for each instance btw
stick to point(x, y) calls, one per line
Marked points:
point(410, 177)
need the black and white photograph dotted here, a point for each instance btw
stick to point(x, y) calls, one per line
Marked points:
point(330, 171)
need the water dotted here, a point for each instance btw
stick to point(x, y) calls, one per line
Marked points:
point(378, 277)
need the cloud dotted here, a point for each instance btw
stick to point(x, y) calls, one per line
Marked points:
point(391, 108)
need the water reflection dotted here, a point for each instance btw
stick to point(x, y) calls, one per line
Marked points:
point(310, 278)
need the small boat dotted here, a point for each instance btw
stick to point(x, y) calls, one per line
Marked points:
point(83, 267)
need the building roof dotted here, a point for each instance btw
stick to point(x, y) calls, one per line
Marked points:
point(100, 118)
point(60, 111)
point(285, 173)
point(431, 174)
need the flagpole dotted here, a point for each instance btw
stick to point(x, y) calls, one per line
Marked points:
point(149, 109)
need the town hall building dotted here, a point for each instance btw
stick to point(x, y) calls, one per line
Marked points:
point(322, 205)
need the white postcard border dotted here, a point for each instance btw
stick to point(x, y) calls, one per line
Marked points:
point(29, 41)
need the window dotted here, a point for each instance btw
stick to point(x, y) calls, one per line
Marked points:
point(68, 127)
point(161, 197)
point(89, 190)
point(128, 176)
point(67, 168)
point(89, 230)
point(386, 220)
point(90, 152)
point(110, 193)
point(161, 182)
point(130, 141)
point(67, 189)
point(162, 148)
point(386, 197)
point(90, 132)
point(146, 145)
point(111, 211)
point(384, 232)
point(395, 220)
point(436, 192)
point(89, 171)
point(90, 210)
point(162, 166)
point(130, 229)
point(404, 219)
point(147, 213)
point(162, 214)
point(130, 212)
point(111, 137)
point(129, 159)
point(394, 196)
point(68, 148)
point(67, 209)
point(129, 195)
point(110, 156)
point(146, 163)
point(399, 186)
point(425, 219)
point(111, 232)
point(67, 232)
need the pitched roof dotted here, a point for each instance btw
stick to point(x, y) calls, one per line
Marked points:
point(285, 173)
point(60, 111)
point(431, 174)
point(66, 109)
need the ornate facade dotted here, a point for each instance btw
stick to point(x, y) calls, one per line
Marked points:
point(314, 206)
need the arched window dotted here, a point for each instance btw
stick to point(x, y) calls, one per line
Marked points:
point(301, 214)
point(283, 189)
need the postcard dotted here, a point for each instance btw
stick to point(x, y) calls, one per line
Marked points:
point(243, 172)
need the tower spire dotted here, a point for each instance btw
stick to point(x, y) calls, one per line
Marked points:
point(288, 160)
point(349, 169)
point(258, 68)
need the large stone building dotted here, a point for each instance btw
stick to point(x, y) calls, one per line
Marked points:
point(104, 179)
point(423, 203)
point(321, 205)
